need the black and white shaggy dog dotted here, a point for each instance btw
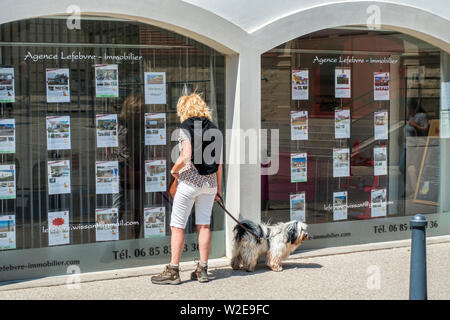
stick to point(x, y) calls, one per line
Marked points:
point(276, 242)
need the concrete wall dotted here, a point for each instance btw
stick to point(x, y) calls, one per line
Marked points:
point(243, 30)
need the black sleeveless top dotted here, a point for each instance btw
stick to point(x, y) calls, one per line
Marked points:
point(202, 133)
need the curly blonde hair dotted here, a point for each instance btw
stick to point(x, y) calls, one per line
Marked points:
point(192, 106)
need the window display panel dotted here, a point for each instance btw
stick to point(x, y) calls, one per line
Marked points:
point(82, 113)
point(373, 119)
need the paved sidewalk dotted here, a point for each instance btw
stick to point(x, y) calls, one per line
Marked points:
point(341, 276)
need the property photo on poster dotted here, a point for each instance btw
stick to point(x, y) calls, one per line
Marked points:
point(342, 124)
point(378, 204)
point(58, 228)
point(300, 84)
point(107, 81)
point(7, 232)
point(7, 181)
point(155, 129)
point(7, 93)
point(380, 161)
point(340, 203)
point(299, 165)
point(58, 133)
point(154, 222)
point(107, 131)
point(299, 125)
point(58, 85)
point(342, 84)
point(381, 125)
point(107, 224)
point(107, 177)
point(155, 175)
point(59, 177)
point(381, 86)
point(7, 136)
point(298, 207)
point(155, 87)
point(341, 162)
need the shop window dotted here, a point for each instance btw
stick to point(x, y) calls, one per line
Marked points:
point(358, 113)
point(85, 132)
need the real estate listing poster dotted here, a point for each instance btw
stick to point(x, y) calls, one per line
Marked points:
point(7, 232)
point(155, 129)
point(58, 85)
point(107, 224)
point(107, 131)
point(380, 161)
point(155, 175)
point(7, 93)
point(7, 181)
point(445, 124)
point(58, 133)
point(154, 222)
point(378, 204)
point(445, 96)
point(381, 86)
point(342, 84)
point(299, 125)
point(299, 165)
point(59, 177)
point(341, 162)
point(340, 205)
point(381, 125)
point(107, 177)
point(298, 207)
point(300, 84)
point(155, 87)
point(7, 135)
point(107, 80)
point(58, 228)
point(342, 124)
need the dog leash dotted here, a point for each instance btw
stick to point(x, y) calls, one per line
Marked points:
point(222, 205)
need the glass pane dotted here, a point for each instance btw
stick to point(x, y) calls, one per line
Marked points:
point(358, 117)
point(90, 149)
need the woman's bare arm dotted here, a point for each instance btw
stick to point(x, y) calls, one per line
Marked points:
point(185, 157)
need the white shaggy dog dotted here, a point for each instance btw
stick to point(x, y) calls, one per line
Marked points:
point(275, 242)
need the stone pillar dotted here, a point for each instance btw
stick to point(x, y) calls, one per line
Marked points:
point(243, 117)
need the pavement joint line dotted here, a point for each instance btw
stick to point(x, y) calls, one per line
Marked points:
point(213, 264)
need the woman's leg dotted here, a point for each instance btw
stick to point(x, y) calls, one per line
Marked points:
point(204, 242)
point(203, 209)
point(181, 209)
point(176, 244)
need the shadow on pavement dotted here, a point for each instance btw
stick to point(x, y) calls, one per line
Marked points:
point(260, 268)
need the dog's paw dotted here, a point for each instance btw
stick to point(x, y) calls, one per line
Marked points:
point(236, 268)
point(277, 268)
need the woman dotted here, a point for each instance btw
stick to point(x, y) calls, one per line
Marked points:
point(199, 183)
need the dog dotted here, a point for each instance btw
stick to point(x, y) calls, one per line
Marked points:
point(276, 242)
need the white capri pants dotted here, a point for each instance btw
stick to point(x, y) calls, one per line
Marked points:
point(185, 197)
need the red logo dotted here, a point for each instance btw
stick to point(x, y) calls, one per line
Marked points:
point(58, 222)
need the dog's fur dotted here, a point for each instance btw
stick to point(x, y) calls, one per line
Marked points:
point(276, 242)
